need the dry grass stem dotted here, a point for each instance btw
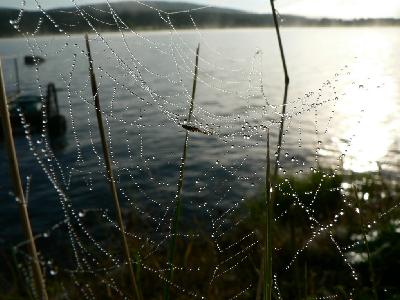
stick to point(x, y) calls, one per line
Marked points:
point(18, 190)
point(110, 176)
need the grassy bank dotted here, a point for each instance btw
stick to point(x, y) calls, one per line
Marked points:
point(334, 235)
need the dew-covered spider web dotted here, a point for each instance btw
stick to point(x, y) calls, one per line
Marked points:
point(323, 212)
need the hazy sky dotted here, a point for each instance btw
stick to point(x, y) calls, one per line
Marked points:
point(312, 8)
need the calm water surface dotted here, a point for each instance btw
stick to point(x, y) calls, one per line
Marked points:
point(344, 98)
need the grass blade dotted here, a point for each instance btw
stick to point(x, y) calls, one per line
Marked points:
point(268, 229)
point(364, 234)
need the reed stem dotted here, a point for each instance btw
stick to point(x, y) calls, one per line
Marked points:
point(287, 80)
point(175, 220)
point(110, 175)
point(18, 190)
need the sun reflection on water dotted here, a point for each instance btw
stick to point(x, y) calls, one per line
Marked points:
point(368, 126)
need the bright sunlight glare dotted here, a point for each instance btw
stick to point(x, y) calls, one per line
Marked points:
point(368, 134)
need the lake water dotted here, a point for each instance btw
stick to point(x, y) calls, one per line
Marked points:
point(344, 98)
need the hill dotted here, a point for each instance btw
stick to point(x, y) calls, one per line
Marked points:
point(154, 15)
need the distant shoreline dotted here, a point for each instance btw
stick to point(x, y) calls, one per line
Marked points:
point(189, 29)
point(157, 16)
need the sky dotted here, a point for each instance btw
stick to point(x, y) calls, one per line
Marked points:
point(344, 9)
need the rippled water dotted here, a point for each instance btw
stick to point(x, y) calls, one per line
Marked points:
point(343, 99)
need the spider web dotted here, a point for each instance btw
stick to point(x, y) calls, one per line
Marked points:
point(144, 83)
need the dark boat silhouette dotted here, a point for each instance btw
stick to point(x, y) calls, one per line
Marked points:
point(31, 107)
point(31, 59)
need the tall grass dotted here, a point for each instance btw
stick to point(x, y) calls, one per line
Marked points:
point(110, 175)
point(19, 192)
point(175, 220)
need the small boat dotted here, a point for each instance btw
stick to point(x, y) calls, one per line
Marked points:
point(31, 106)
point(31, 59)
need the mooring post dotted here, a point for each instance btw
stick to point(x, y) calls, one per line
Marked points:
point(17, 75)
